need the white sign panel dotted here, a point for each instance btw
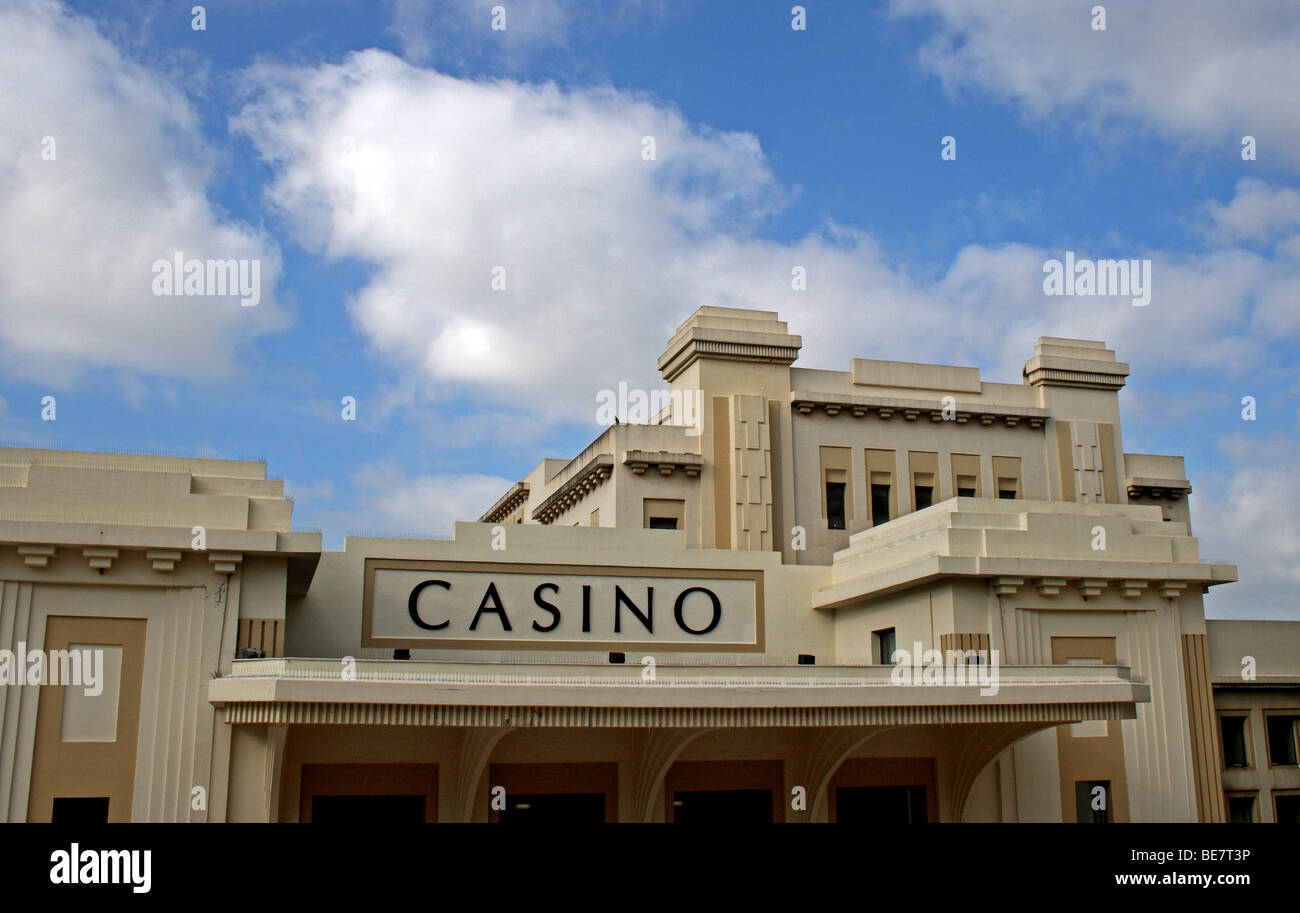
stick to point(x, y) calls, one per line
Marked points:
point(463, 605)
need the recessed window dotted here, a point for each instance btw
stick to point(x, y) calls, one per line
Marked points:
point(1092, 801)
point(80, 810)
point(663, 522)
point(1006, 494)
point(1241, 809)
point(886, 643)
point(1233, 729)
point(965, 492)
point(879, 504)
point(924, 495)
point(1282, 740)
point(834, 505)
point(1286, 807)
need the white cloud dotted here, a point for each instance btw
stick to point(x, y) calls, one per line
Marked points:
point(79, 234)
point(1257, 212)
point(1247, 521)
point(1189, 68)
point(436, 181)
point(426, 505)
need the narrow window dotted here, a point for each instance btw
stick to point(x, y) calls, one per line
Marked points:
point(1286, 808)
point(879, 504)
point(886, 644)
point(835, 505)
point(1092, 801)
point(1281, 741)
point(924, 496)
point(1234, 741)
point(1241, 809)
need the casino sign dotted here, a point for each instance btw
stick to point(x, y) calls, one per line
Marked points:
point(501, 605)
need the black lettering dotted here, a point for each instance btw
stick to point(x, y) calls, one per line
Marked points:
point(681, 600)
point(541, 603)
point(496, 608)
point(586, 608)
point(621, 599)
point(413, 608)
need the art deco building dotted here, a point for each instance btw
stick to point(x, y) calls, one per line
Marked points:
point(734, 619)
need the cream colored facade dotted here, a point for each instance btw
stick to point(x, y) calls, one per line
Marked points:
point(568, 661)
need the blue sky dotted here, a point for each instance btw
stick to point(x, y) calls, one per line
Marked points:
point(381, 158)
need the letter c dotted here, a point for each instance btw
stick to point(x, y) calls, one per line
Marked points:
point(415, 598)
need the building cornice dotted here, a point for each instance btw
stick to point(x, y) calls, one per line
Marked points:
point(641, 460)
point(507, 504)
point(886, 407)
point(584, 481)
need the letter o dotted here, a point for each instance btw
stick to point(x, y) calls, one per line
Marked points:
point(681, 621)
point(412, 607)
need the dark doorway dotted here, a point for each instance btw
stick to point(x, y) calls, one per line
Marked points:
point(79, 810)
point(367, 809)
point(722, 806)
point(554, 808)
point(880, 805)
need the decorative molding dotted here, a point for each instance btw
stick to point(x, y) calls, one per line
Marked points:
point(1091, 586)
point(578, 487)
point(1050, 586)
point(164, 559)
point(1131, 589)
point(100, 558)
point(327, 713)
point(641, 460)
point(1007, 586)
point(36, 555)
point(225, 562)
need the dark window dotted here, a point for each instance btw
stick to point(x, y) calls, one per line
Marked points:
point(1234, 741)
point(1007, 494)
point(1288, 809)
point(663, 522)
point(924, 496)
point(886, 644)
point(722, 806)
point(880, 805)
point(367, 809)
point(1090, 806)
point(879, 504)
point(1281, 740)
point(835, 505)
point(80, 810)
point(1241, 809)
point(554, 808)
point(965, 492)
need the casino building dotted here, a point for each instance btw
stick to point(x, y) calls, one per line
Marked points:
point(893, 593)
